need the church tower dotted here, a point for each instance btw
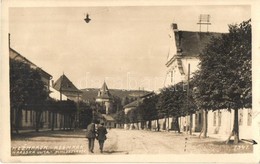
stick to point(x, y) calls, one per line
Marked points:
point(105, 97)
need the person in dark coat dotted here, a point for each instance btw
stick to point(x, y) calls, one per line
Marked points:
point(101, 136)
point(91, 135)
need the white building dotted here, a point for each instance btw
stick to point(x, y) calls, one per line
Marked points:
point(185, 47)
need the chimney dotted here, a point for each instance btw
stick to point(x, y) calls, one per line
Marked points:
point(176, 32)
point(174, 27)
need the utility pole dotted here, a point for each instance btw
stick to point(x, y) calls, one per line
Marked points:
point(188, 104)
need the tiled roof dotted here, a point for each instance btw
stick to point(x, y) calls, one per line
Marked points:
point(64, 84)
point(193, 43)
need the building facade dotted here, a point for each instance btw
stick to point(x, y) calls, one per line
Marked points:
point(27, 118)
point(50, 117)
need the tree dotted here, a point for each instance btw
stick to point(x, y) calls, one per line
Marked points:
point(120, 117)
point(173, 101)
point(149, 109)
point(26, 90)
point(85, 114)
point(202, 99)
point(117, 104)
point(225, 73)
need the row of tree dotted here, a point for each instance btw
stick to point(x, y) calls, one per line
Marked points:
point(224, 81)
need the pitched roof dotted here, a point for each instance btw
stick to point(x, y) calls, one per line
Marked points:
point(104, 92)
point(192, 43)
point(64, 84)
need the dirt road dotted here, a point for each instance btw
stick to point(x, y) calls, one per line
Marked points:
point(121, 141)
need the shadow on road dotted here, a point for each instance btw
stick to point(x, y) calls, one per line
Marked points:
point(53, 134)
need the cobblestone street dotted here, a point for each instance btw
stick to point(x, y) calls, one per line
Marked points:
point(121, 142)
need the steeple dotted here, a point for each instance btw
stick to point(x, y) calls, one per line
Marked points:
point(104, 97)
point(104, 93)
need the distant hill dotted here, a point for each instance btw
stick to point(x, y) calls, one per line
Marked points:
point(90, 94)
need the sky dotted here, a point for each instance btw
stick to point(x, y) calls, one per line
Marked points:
point(125, 46)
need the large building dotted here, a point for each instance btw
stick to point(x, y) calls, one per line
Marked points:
point(185, 47)
point(50, 118)
point(28, 116)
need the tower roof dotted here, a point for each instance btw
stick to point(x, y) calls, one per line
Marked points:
point(104, 92)
point(64, 84)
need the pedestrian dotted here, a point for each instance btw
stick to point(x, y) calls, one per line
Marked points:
point(91, 135)
point(101, 136)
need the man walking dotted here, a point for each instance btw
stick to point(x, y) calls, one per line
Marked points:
point(101, 132)
point(91, 135)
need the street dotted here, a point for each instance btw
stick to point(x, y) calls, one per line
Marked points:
point(120, 142)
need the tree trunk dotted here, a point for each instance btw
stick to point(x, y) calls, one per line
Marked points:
point(204, 129)
point(177, 124)
point(150, 125)
point(158, 125)
point(17, 121)
point(235, 130)
point(164, 124)
point(38, 120)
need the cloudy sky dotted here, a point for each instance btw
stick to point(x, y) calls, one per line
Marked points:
point(125, 46)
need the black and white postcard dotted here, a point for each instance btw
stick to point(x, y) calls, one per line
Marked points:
point(130, 81)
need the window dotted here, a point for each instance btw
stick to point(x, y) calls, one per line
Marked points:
point(240, 117)
point(56, 121)
point(43, 117)
point(31, 116)
point(26, 116)
point(46, 116)
point(219, 117)
point(249, 117)
point(214, 118)
point(200, 120)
